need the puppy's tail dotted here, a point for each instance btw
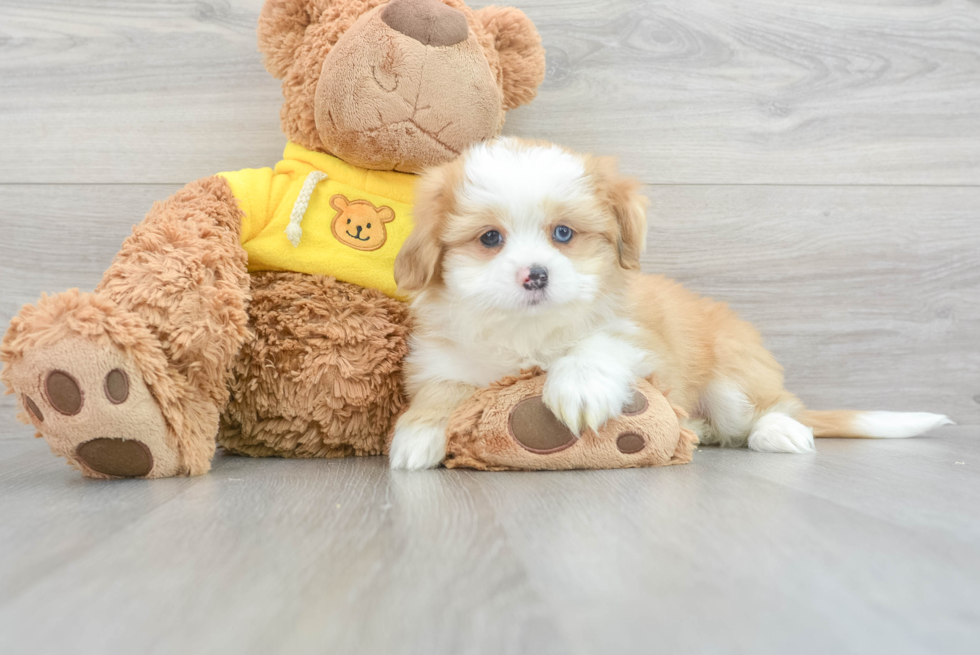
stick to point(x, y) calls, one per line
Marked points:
point(871, 425)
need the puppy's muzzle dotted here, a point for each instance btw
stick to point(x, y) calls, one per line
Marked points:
point(535, 278)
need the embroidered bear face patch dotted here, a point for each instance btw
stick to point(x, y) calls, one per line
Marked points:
point(359, 224)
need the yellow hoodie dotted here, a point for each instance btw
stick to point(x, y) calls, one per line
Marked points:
point(316, 214)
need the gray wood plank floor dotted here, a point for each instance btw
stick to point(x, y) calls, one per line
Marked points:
point(863, 547)
point(817, 165)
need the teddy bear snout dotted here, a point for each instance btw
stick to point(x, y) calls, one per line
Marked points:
point(430, 22)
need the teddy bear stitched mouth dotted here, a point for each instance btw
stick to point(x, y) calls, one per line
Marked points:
point(415, 109)
point(434, 136)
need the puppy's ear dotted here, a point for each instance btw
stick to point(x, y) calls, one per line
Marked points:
point(419, 262)
point(622, 195)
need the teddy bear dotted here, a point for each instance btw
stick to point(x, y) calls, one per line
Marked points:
point(257, 309)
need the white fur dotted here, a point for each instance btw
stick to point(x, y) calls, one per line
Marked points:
point(482, 324)
point(417, 446)
point(778, 433)
point(518, 184)
point(519, 180)
point(493, 284)
point(897, 425)
point(590, 384)
point(728, 412)
point(485, 325)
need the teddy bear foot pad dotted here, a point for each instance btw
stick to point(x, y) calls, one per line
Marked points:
point(508, 427)
point(90, 403)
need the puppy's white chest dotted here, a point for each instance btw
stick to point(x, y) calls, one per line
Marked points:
point(495, 363)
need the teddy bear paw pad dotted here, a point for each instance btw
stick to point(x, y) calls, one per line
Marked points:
point(121, 458)
point(535, 428)
point(630, 443)
point(636, 405)
point(89, 401)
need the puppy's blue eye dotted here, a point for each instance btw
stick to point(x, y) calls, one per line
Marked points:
point(491, 239)
point(562, 234)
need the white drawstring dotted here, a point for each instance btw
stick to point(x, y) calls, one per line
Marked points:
point(293, 231)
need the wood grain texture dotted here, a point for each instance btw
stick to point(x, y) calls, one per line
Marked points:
point(759, 91)
point(766, 91)
point(813, 164)
point(869, 296)
point(867, 546)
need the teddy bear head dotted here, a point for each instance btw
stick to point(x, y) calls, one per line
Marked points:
point(398, 84)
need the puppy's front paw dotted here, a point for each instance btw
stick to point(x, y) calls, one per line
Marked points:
point(417, 446)
point(586, 396)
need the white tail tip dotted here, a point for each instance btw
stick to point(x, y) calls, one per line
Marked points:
point(897, 425)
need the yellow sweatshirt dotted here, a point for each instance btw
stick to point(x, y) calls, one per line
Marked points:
point(313, 213)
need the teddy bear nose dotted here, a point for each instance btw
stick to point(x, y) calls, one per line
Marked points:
point(430, 22)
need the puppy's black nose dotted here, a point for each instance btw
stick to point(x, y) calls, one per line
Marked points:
point(537, 278)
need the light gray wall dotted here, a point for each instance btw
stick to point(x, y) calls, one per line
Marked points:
point(817, 165)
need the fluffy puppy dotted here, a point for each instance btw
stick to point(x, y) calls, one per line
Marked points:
point(525, 254)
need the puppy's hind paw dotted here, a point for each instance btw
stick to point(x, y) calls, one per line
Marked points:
point(779, 433)
point(417, 446)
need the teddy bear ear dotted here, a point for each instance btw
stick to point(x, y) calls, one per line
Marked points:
point(282, 25)
point(519, 49)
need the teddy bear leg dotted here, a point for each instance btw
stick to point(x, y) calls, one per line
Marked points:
point(129, 381)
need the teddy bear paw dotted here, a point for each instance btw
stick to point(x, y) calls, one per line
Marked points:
point(539, 431)
point(91, 405)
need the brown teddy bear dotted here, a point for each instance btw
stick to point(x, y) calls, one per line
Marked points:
point(276, 284)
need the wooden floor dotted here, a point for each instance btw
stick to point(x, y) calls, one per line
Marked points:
point(863, 547)
point(816, 164)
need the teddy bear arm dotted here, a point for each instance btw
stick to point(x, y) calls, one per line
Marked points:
point(508, 427)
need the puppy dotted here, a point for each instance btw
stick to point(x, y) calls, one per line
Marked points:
point(525, 254)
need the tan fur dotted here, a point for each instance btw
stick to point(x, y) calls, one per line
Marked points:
point(433, 403)
point(519, 51)
point(322, 375)
point(424, 105)
point(621, 194)
point(831, 423)
point(183, 271)
point(480, 435)
point(418, 262)
point(699, 340)
point(695, 341)
point(173, 301)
